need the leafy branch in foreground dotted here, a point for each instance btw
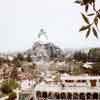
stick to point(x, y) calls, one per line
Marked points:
point(90, 25)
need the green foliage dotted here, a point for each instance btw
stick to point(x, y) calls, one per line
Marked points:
point(14, 73)
point(79, 56)
point(94, 55)
point(84, 28)
point(13, 84)
point(92, 52)
point(12, 96)
point(8, 85)
point(85, 18)
point(17, 61)
point(76, 70)
point(93, 25)
point(20, 57)
point(57, 77)
point(95, 32)
point(28, 58)
point(5, 88)
point(88, 32)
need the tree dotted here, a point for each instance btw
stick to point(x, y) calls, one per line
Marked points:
point(20, 57)
point(56, 77)
point(94, 55)
point(29, 58)
point(12, 96)
point(93, 25)
point(14, 73)
point(7, 86)
point(80, 56)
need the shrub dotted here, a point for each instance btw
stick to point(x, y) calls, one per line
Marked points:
point(5, 88)
point(12, 96)
point(8, 85)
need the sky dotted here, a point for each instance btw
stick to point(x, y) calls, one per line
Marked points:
point(21, 21)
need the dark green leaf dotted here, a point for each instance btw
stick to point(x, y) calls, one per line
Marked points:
point(84, 27)
point(93, 1)
point(85, 2)
point(91, 14)
point(78, 2)
point(86, 8)
point(99, 16)
point(85, 18)
point(96, 21)
point(95, 32)
point(88, 32)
